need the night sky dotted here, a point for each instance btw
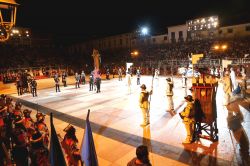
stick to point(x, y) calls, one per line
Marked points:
point(79, 20)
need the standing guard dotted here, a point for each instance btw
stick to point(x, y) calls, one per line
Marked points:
point(98, 82)
point(34, 87)
point(83, 80)
point(77, 77)
point(169, 93)
point(227, 88)
point(19, 86)
point(69, 145)
point(184, 79)
point(64, 81)
point(57, 81)
point(107, 74)
point(187, 116)
point(120, 74)
point(138, 74)
point(243, 85)
point(91, 81)
point(144, 105)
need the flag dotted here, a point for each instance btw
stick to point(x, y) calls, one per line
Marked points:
point(88, 152)
point(56, 156)
point(196, 57)
point(225, 63)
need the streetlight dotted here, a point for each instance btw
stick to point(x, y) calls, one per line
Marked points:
point(8, 10)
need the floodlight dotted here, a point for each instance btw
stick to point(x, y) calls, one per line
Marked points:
point(216, 47)
point(144, 31)
point(224, 46)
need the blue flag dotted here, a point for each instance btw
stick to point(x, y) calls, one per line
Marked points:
point(56, 156)
point(88, 152)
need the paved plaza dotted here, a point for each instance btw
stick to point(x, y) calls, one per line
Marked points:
point(115, 121)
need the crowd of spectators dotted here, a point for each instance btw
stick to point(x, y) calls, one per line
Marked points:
point(13, 57)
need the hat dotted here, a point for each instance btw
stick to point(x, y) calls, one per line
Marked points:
point(168, 79)
point(37, 136)
point(189, 98)
point(27, 112)
point(143, 86)
point(18, 105)
point(70, 129)
point(40, 116)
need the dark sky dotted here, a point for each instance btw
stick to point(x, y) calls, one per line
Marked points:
point(84, 19)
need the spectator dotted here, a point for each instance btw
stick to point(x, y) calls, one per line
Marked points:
point(141, 158)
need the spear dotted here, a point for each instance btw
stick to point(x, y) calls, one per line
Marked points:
point(152, 84)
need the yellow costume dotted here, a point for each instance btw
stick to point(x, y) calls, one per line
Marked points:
point(188, 119)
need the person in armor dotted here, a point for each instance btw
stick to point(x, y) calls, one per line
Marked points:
point(64, 81)
point(170, 93)
point(39, 154)
point(69, 145)
point(120, 74)
point(83, 78)
point(138, 74)
point(184, 79)
point(187, 116)
point(33, 87)
point(98, 83)
point(227, 88)
point(91, 81)
point(243, 85)
point(77, 78)
point(20, 140)
point(233, 79)
point(57, 81)
point(144, 105)
point(129, 82)
point(42, 128)
point(107, 74)
point(19, 86)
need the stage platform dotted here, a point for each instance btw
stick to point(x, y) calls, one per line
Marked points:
point(115, 121)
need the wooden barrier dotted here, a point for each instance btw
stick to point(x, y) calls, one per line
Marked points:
point(204, 93)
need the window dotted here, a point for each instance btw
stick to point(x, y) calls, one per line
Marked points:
point(229, 30)
point(248, 28)
point(172, 35)
point(165, 38)
point(153, 40)
point(120, 41)
point(180, 34)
